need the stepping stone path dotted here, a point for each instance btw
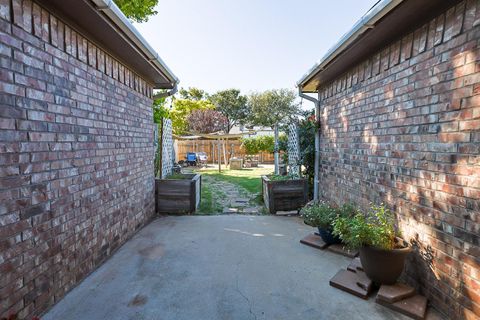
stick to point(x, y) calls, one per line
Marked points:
point(234, 199)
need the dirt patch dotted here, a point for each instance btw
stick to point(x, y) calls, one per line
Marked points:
point(138, 300)
point(152, 252)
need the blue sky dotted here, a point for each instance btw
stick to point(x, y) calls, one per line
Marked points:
point(252, 45)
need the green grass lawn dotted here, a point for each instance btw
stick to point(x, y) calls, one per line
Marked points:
point(248, 178)
point(209, 203)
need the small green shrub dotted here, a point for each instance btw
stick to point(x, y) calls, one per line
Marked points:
point(277, 177)
point(319, 214)
point(374, 228)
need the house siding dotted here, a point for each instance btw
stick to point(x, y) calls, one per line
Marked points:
point(76, 157)
point(403, 128)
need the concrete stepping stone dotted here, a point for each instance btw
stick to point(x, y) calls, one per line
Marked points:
point(414, 307)
point(251, 210)
point(340, 249)
point(395, 292)
point(355, 265)
point(230, 210)
point(348, 281)
point(287, 213)
point(313, 240)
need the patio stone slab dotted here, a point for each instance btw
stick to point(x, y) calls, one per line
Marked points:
point(340, 249)
point(315, 241)
point(251, 210)
point(355, 265)
point(348, 281)
point(396, 292)
point(287, 213)
point(363, 281)
point(230, 210)
point(414, 307)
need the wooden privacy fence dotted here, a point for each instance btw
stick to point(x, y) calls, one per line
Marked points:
point(209, 146)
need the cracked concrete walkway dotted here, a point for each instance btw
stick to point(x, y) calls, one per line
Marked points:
point(217, 267)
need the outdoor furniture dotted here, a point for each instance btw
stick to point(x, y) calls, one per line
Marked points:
point(236, 163)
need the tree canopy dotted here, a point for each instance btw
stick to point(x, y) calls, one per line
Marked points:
point(137, 10)
point(193, 93)
point(272, 107)
point(160, 110)
point(232, 105)
point(182, 108)
point(254, 145)
point(206, 121)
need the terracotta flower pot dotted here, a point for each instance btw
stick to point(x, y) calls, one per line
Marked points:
point(384, 266)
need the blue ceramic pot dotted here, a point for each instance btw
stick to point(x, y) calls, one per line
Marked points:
point(328, 237)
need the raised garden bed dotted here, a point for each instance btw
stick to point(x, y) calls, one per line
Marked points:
point(284, 194)
point(178, 194)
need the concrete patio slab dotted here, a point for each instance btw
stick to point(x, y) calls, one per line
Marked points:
point(217, 267)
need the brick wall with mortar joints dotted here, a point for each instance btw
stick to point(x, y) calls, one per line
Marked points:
point(76, 157)
point(403, 128)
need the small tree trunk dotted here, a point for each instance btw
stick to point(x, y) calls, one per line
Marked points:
point(275, 150)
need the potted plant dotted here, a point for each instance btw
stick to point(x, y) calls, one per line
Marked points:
point(322, 216)
point(382, 253)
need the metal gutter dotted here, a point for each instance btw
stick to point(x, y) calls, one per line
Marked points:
point(378, 11)
point(165, 94)
point(110, 9)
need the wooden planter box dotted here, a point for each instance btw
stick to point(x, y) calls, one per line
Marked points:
point(284, 195)
point(178, 196)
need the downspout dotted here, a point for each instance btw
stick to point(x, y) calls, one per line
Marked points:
point(317, 143)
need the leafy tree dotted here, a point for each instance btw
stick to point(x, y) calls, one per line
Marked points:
point(160, 110)
point(232, 105)
point(273, 107)
point(182, 108)
point(137, 10)
point(254, 145)
point(193, 93)
point(250, 145)
point(206, 121)
point(266, 143)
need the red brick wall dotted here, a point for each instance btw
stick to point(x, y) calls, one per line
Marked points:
point(76, 157)
point(403, 128)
